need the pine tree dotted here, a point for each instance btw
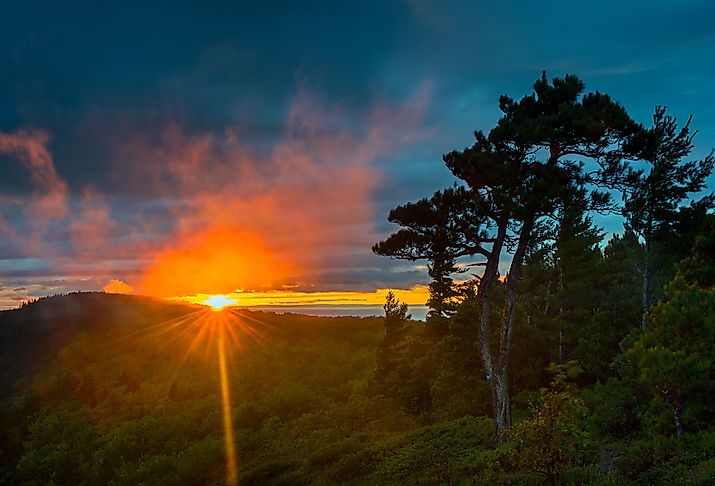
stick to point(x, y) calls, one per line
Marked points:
point(675, 355)
point(653, 203)
point(440, 229)
point(513, 189)
point(577, 264)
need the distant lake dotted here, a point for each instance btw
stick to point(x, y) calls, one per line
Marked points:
point(419, 312)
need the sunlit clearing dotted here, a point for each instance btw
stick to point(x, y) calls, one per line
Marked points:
point(218, 302)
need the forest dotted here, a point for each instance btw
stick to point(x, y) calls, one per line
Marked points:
point(553, 352)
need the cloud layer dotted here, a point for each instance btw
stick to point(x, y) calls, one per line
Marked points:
point(222, 215)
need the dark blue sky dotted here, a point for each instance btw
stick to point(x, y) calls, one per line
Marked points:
point(96, 79)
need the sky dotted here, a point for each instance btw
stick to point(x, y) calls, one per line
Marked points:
point(178, 150)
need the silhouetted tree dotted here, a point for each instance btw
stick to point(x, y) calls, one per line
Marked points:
point(652, 206)
point(513, 188)
point(440, 229)
point(577, 258)
point(516, 188)
point(395, 314)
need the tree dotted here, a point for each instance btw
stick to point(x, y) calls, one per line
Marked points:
point(675, 355)
point(517, 189)
point(653, 203)
point(513, 189)
point(403, 366)
point(396, 317)
point(440, 229)
point(552, 442)
point(577, 258)
point(395, 314)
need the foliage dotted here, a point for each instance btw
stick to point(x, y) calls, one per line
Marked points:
point(675, 357)
point(552, 441)
point(653, 205)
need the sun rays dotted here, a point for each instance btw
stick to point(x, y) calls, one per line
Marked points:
point(218, 302)
point(231, 471)
point(218, 332)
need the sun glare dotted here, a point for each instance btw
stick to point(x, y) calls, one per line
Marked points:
point(218, 302)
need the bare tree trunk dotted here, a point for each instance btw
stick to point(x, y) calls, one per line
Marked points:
point(502, 405)
point(645, 297)
point(484, 298)
point(677, 418)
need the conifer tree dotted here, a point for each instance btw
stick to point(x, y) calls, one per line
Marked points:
point(675, 355)
point(518, 175)
point(440, 229)
point(652, 206)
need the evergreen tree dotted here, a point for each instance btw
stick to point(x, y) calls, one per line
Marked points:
point(440, 229)
point(653, 203)
point(513, 190)
point(675, 355)
point(577, 260)
point(396, 315)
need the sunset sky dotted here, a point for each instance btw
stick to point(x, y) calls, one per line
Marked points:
point(176, 151)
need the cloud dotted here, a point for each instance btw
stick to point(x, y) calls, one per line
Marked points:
point(50, 197)
point(48, 201)
point(217, 214)
point(248, 220)
point(116, 286)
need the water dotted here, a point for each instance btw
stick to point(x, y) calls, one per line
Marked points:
point(418, 312)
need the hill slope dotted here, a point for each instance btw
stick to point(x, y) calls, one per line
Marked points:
point(124, 390)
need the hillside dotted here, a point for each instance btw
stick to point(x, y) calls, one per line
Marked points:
point(110, 389)
point(119, 390)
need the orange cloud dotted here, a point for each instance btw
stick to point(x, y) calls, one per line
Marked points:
point(118, 287)
point(224, 215)
point(245, 220)
point(218, 261)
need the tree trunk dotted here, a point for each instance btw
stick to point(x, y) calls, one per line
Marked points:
point(645, 297)
point(502, 402)
point(484, 298)
point(502, 407)
point(678, 418)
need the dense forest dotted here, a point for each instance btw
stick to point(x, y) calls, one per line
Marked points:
point(553, 353)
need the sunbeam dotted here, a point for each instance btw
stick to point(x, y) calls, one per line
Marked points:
point(231, 471)
point(194, 334)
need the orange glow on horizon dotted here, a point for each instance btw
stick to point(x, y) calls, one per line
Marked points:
point(218, 302)
point(116, 286)
point(214, 261)
point(417, 295)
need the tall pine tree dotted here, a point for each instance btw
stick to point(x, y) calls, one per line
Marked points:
point(653, 204)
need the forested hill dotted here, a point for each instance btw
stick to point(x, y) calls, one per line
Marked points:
point(32, 335)
point(126, 390)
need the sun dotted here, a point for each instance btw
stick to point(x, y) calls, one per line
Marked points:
point(218, 302)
